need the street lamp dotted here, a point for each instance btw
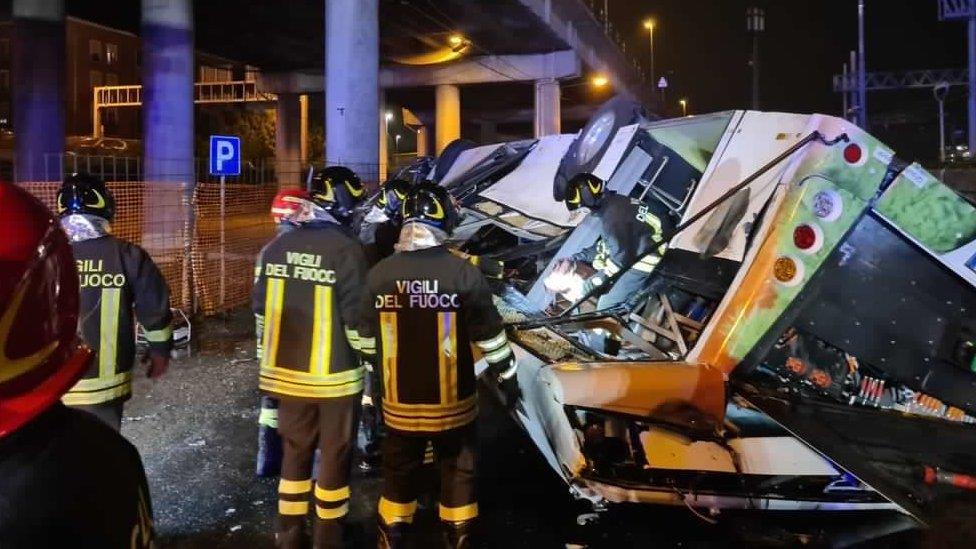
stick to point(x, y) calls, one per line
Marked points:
point(649, 25)
point(599, 81)
point(755, 25)
point(396, 144)
point(684, 107)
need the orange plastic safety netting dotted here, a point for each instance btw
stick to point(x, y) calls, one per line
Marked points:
point(153, 216)
point(224, 252)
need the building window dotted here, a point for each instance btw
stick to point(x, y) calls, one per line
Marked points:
point(251, 74)
point(111, 79)
point(96, 78)
point(95, 51)
point(4, 80)
point(111, 54)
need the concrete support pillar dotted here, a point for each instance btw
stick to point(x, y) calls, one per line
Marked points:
point(547, 108)
point(167, 122)
point(352, 85)
point(489, 131)
point(38, 89)
point(167, 91)
point(447, 123)
point(288, 140)
point(423, 136)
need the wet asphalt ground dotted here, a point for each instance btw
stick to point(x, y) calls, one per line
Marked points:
point(196, 430)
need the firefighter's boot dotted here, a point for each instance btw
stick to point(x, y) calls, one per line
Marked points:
point(395, 536)
point(460, 534)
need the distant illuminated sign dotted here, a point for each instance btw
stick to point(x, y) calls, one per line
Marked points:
point(225, 155)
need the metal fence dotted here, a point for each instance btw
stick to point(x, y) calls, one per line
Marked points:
point(205, 241)
point(260, 171)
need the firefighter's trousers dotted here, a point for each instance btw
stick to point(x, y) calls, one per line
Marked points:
point(330, 426)
point(403, 455)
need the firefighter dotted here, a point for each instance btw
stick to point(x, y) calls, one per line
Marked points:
point(66, 480)
point(284, 205)
point(345, 208)
point(629, 230)
point(381, 227)
point(428, 307)
point(117, 278)
point(307, 299)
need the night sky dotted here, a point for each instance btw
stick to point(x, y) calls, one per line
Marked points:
point(704, 44)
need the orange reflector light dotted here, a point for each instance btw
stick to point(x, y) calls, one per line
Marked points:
point(853, 153)
point(785, 270)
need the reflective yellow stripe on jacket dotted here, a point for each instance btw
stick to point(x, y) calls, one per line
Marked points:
point(448, 412)
point(318, 381)
point(108, 385)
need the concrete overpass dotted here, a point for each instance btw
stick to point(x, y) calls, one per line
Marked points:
point(457, 59)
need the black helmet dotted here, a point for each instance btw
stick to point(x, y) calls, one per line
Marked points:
point(338, 190)
point(585, 189)
point(392, 195)
point(82, 193)
point(431, 204)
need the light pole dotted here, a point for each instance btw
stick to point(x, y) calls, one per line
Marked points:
point(396, 145)
point(940, 91)
point(684, 107)
point(862, 70)
point(755, 25)
point(649, 25)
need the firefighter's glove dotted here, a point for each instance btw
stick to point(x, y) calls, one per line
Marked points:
point(505, 374)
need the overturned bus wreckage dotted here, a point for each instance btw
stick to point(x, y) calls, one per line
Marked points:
point(807, 341)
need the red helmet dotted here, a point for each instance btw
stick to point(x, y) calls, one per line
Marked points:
point(287, 202)
point(40, 356)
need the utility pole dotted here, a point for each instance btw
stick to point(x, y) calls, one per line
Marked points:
point(862, 74)
point(940, 91)
point(844, 111)
point(853, 115)
point(755, 25)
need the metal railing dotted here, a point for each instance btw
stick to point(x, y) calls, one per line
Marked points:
point(903, 80)
point(55, 167)
point(236, 91)
point(956, 9)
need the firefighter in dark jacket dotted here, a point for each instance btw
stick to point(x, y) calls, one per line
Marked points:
point(428, 307)
point(284, 205)
point(66, 480)
point(381, 226)
point(629, 230)
point(117, 278)
point(307, 299)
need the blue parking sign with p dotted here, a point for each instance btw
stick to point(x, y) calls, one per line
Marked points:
point(225, 155)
